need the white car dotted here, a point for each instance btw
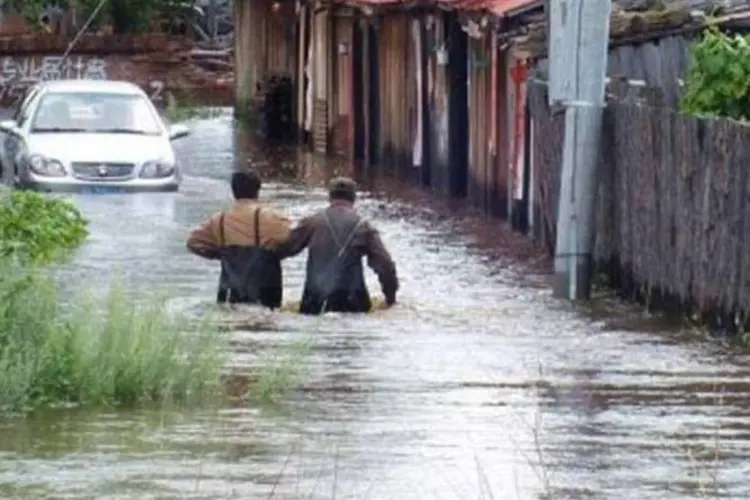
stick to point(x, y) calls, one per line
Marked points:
point(95, 136)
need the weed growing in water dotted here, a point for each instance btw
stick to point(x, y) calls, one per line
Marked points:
point(279, 373)
point(175, 112)
point(110, 353)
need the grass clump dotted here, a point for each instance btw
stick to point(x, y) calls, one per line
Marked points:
point(111, 353)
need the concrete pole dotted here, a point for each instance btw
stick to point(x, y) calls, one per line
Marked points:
point(583, 28)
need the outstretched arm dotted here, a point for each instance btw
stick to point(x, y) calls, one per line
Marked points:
point(203, 240)
point(380, 261)
point(298, 239)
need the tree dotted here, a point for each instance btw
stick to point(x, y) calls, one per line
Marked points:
point(124, 16)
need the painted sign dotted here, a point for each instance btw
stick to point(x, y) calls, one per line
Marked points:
point(18, 73)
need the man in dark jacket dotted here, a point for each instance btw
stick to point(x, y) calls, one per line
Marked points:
point(337, 239)
point(244, 239)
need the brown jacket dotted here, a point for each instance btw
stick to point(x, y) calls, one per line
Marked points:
point(239, 229)
point(313, 233)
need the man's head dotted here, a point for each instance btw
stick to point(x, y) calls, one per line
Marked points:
point(342, 188)
point(246, 184)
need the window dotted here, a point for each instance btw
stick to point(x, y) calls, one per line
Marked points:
point(96, 112)
point(22, 111)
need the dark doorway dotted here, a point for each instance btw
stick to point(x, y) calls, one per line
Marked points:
point(521, 207)
point(424, 97)
point(358, 82)
point(458, 106)
point(373, 96)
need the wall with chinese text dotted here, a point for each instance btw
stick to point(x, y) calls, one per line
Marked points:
point(154, 62)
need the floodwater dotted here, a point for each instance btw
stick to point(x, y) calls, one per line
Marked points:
point(477, 385)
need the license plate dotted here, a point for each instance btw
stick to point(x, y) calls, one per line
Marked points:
point(100, 190)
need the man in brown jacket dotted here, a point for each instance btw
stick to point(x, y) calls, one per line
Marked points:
point(337, 239)
point(244, 239)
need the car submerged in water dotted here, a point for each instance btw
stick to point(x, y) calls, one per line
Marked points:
point(95, 136)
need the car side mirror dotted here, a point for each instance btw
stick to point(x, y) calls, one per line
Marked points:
point(177, 131)
point(9, 126)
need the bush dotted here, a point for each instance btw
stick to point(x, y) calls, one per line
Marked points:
point(115, 353)
point(718, 81)
point(36, 229)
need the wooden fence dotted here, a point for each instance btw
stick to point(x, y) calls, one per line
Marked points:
point(673, 218)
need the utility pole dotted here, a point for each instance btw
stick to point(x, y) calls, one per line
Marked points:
point(578, 46)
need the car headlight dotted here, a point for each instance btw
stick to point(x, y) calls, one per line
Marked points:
point(47, 167)
point(157, 169)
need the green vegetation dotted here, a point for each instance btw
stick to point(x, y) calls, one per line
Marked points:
point(718, 82)
point(36, 229)
point(115, 353)
point(174, 111)
point(89, 351)
point(97, 354)
point(124, 16)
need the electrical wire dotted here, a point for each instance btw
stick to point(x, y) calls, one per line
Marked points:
point(79, 34)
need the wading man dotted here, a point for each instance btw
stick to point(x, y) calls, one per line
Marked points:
point(244, 239)
point(337, 240)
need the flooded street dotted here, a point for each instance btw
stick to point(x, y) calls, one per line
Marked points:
point(478, 385)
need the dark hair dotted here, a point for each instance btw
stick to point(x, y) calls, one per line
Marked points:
point(343, 188)
point(246, 184)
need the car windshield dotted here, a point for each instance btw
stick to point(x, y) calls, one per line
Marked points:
point(95, 112)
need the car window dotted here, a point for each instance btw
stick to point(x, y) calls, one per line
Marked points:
point(96, 112)
point(21, 103)
point(22, 111)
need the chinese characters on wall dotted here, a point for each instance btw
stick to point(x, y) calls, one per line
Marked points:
point(18, 73)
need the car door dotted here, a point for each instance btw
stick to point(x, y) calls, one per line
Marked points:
point(13, 143)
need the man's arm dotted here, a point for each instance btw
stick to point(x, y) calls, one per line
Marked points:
point(203, 241)
point(298, 239)
point(380, 261)
point(277, 229)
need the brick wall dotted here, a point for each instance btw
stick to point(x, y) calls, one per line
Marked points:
point(158, 63)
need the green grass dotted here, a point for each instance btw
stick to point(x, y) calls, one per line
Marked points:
point(107, 352)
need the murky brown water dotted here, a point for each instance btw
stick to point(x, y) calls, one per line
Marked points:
point(478, 385)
